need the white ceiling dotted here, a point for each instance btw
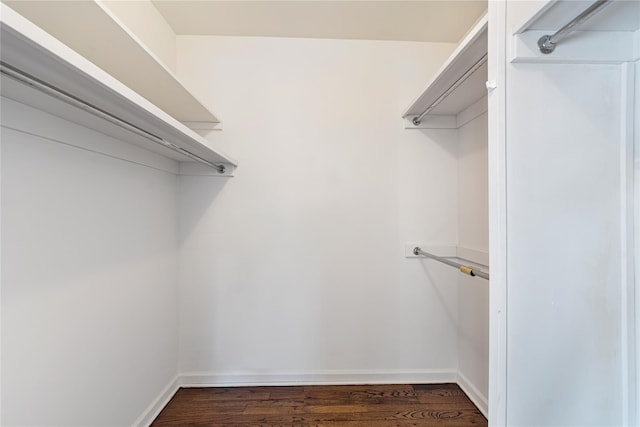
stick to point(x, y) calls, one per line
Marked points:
point(432, 20)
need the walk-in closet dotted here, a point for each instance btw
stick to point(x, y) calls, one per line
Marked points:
point(252, 199)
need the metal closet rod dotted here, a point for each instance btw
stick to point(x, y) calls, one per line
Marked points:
point(547, 44)
point(463, 268)
point(417, 120)
point(29, 80)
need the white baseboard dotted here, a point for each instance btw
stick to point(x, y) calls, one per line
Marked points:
point(479, 399)
point(152, 411)
point(332, 377)
point(329, 377)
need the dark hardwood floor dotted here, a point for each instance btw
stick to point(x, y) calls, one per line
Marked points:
point(350, 406)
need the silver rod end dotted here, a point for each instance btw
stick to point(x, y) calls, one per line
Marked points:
point(546, 45)
point(416, 251)
point(415, 121)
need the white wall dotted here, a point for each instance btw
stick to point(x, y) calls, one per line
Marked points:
point(567, 349)
point(473, 233)
point(473, 210)
point(295, 270)
point(636, 309)
point(89, 274)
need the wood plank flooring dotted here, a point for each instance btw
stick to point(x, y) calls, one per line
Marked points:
point(443, 405)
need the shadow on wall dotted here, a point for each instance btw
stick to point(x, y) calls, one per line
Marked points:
point(435, 136)
point(451, 313)
point(199, 192)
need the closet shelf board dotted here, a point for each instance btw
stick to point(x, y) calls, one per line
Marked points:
point(28, 48)
point(471, 49)
point(92, 30)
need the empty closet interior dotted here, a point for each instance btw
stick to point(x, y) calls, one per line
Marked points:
point(182, 209)
point(454, 104)
point(138, 257)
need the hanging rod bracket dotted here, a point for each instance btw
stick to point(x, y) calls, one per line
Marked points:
point(545, 44)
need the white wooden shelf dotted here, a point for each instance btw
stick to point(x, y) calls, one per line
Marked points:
point(28, 48)
point(471, 50)
point(610, 36)
point(92, 30)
